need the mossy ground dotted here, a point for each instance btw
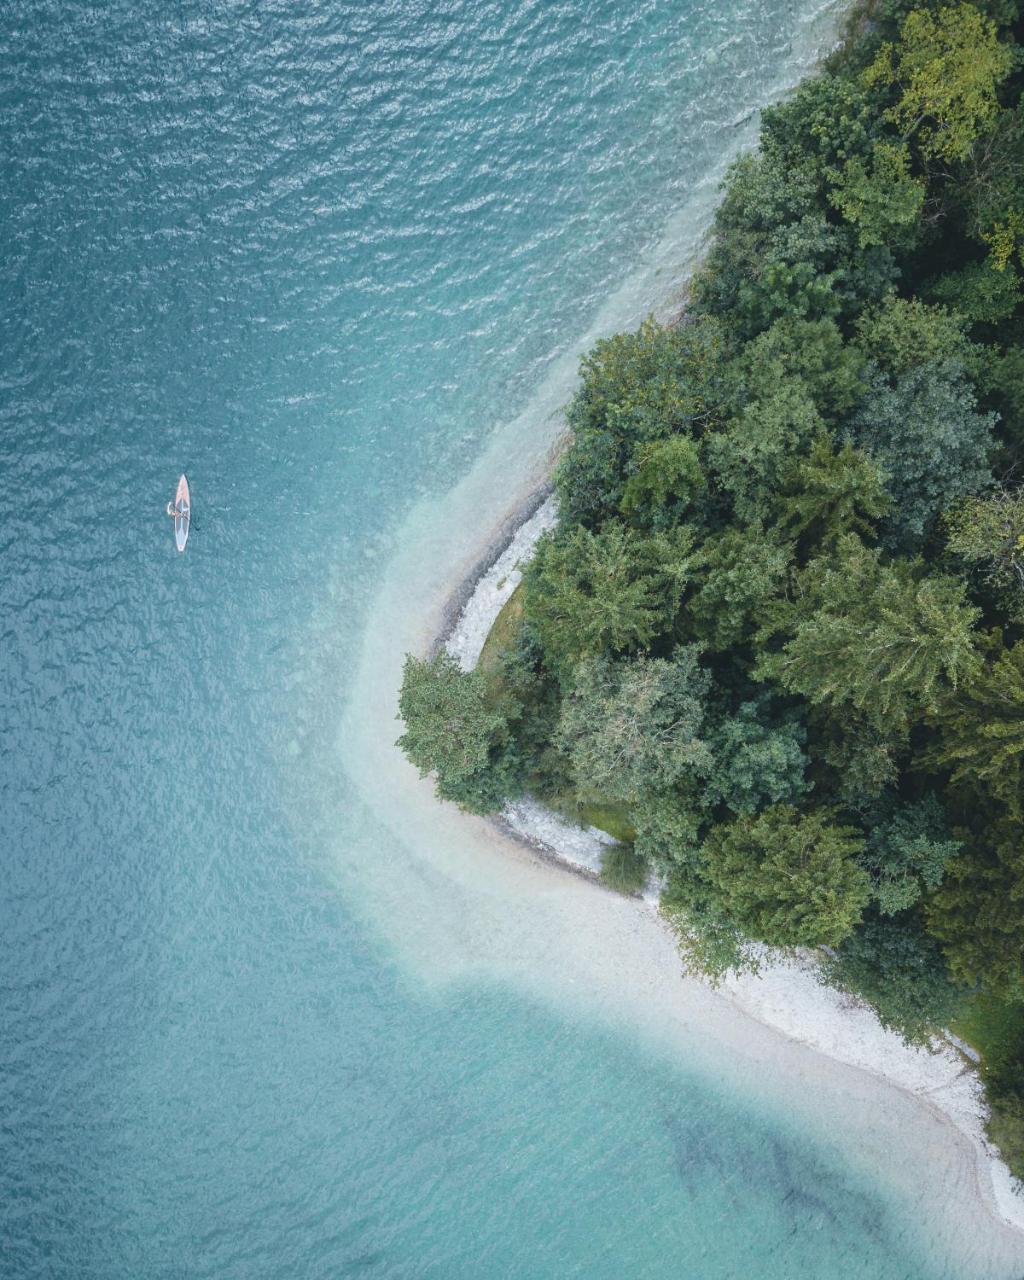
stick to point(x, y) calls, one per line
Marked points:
point(609, 818)
point(994, 1027)
point(502, 634)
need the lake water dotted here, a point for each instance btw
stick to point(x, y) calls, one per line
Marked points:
point(315, 255)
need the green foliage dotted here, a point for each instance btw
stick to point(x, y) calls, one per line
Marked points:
point(989, 531)
point(504, 633)
point(654, 376)
point(514, 667)
point(1005, 239)
point(739, 571)
point(756, 762)
point(875, 637)
point(710, 941)
point(908, 854)
point(760, 197)
point(945, 71)
point(667, 829)
point(981, 732)
point(1005, 1125)
point(934, 448)
point(980, 293)
point(612, 819)
point(630, 728)
point(996, 1029)
point(606, 592)
point(879, 197)
point(753, 454)
point(635, 389)
point(832, 372)
point(623, 869)
point(827, 121)
point(786, 290)
point(1002, 380)
point(991, 183)
point(832, 492)
point(665, 478)
point(863, 757)
point(456, 728)
point(786, 878)
point(897, 968)
point(900, 334)
point(978, 913)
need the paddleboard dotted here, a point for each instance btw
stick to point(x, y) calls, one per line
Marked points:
point(182, 509)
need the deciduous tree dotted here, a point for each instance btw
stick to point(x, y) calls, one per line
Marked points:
point(898, 969)
point(751, 456)
point(879, 196)
point(456, 726)
point(907, 854)
point(758, 759)
point(901, 334)
point(945, 71)
point(632, 728)
point(989, 531)
point(635, 389)
point(930, 441)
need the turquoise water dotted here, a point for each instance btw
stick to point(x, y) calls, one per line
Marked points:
point(313, 255)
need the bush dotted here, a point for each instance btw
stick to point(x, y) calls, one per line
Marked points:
point(1006, 1129)
point(623, 869)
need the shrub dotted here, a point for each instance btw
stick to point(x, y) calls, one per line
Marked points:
point(623, 869)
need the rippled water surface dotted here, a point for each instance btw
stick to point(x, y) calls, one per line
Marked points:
point(313, 255)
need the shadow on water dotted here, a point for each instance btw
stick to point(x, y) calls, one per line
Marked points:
point(734, 1164)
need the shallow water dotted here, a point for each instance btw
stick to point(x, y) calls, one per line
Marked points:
point(314, 256)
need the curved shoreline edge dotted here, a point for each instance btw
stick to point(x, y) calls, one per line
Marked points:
point(786, 995)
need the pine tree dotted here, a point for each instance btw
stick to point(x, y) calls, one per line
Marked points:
point(981, 732)
point(880, 638)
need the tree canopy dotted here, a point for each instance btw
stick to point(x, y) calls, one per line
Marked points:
point(632, 728)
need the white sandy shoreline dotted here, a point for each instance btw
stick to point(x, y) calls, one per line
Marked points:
point(786, 994)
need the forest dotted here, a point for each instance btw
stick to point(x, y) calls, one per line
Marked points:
point(775, 644)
